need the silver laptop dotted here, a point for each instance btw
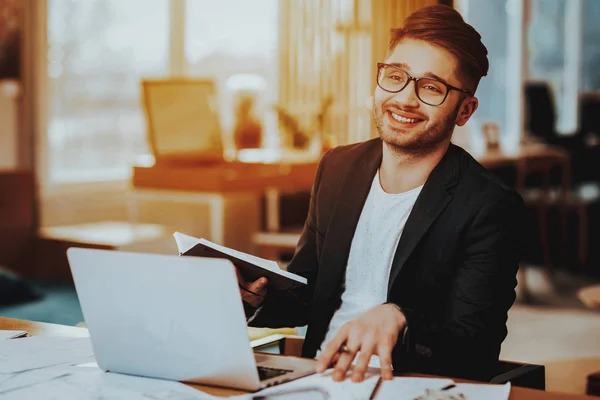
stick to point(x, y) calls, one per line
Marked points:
point(172, 317)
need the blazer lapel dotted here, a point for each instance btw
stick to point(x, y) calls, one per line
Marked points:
point(351, 199)
point(432, 200)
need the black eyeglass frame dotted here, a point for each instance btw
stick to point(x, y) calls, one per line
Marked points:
point(411, 78)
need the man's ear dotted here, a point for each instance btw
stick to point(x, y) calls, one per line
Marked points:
point(467, 108)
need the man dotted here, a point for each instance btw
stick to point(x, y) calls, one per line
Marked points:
point(410, 247)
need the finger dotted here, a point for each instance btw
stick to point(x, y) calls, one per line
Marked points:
point(335, 359)
point(384, 350)
point(362, 363)
point(331, 349)
point(259, 286)
point(342, 366)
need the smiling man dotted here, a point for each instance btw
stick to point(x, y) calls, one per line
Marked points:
point(411, 247)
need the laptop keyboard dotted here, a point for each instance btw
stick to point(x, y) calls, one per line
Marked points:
point(267, 373)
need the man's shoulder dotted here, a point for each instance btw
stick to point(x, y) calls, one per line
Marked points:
point(351, 153)
point(483, 183)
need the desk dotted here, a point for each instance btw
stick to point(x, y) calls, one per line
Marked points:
point(537, 151)
point(38, 328)
point(257, 177)
point(570, 376)
point(210, 201)
point(269, 179)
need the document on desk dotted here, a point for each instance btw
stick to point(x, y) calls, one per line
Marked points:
point(92, 383)
point(345, 390)
point(484, 391)
point(408, 388)
point(402, 388)
point(18, 355)
point(11, 334)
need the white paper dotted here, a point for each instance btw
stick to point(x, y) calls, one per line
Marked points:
point(482, 391)
point(92, 383)
point(405, 388)
point(186, 242)
point(10, 382)
point(17, 355)
point(410, 388)
point(11, 334)
point(344, 390)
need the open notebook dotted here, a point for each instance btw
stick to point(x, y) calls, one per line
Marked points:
point(250, 266)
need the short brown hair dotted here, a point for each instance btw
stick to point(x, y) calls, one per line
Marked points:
point(444, 27)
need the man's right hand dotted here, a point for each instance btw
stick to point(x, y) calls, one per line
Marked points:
point(252, 293)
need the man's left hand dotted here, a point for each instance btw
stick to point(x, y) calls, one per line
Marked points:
point(374, 332)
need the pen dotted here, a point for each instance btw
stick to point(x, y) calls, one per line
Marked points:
point(376, 388)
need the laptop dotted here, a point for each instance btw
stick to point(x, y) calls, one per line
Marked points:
point(172, 317)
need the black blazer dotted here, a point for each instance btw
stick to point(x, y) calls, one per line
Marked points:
point(453, 274)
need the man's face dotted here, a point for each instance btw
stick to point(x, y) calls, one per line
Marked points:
point(406, 123)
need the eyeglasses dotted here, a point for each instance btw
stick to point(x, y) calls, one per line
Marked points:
point(430, 91)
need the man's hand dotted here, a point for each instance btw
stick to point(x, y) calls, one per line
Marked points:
point(252, 293)
point(374, 332)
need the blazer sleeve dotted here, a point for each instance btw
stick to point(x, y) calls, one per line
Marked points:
point(290, 308)
point(466, 343)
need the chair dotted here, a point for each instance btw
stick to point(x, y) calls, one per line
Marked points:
point(587, 162)
point(286, 213)
point(183, 124)
point(540, 116)
point(530, 376)
point(543, 197)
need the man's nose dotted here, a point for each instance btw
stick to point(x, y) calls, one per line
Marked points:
point(407, 96)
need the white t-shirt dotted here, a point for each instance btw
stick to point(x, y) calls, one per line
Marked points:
point(372, 251)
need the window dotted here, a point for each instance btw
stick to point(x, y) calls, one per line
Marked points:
point(553, 56)
point(235, 42)
point(558, 38)
point(100, 50)
point(590, 46)
point(499, 91)
point(97, 53)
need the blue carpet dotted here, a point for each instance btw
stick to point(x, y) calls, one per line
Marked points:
point(58, 305)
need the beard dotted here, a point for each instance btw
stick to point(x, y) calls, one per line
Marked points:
point(419, 141)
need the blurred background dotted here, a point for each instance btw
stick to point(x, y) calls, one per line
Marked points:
point(122, 121)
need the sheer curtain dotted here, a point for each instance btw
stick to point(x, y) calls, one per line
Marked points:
point(330, 48)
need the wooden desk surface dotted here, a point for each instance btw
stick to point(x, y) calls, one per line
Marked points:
point(39, 328)
point(223, 178)
point(570, 376)
point(231, 177)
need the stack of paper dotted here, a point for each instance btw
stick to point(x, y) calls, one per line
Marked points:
point(42, 367)
point(345, 390)
point(92, 383)
point(409, 388)
point(400, 388)
point(18, 355)
point(11, 334)
point(413, 388)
